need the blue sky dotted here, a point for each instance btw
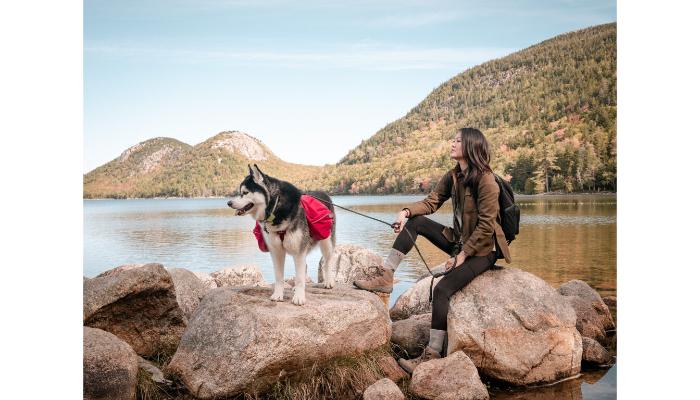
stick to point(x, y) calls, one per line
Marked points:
point(310, 79)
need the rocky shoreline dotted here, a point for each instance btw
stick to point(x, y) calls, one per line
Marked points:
point(156, 332)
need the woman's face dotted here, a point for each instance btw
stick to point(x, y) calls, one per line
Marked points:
point(456, 148)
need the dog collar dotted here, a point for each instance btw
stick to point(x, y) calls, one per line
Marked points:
point(272, 212)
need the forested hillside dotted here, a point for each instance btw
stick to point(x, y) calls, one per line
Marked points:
point(549, 112)
point(164, 167)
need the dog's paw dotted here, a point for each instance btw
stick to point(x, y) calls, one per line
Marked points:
point(329, 284)
point(299, 297)
point(277, 295)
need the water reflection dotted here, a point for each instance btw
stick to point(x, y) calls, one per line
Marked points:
point(561, 237)
point(597, 384)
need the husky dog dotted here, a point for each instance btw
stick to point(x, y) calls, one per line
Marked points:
point(275, 205)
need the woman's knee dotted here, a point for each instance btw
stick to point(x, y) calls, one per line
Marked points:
point(414, 222)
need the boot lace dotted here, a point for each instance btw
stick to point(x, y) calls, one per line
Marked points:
point(376, 270)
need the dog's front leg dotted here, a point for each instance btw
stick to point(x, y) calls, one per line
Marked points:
point(300, 280)
point(326, 246)
point(278, 256)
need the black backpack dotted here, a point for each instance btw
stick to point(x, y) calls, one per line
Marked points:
point(508, 210)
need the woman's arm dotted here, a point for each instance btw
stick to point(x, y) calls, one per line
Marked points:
point(441, 192)
point(482, 237)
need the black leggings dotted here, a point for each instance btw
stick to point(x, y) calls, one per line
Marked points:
point(453, 281)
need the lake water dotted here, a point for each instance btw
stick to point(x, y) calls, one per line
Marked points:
point(561, 238)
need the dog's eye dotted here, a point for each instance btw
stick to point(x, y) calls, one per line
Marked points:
point(244, 193)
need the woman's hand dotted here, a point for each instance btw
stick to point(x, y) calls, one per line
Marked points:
point(455, 261)
point(400, 220)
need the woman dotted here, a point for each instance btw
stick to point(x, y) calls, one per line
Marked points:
point(474, 240)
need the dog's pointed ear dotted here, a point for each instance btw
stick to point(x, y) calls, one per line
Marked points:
point(258, 176)
point(259, 171)
point(250, 170)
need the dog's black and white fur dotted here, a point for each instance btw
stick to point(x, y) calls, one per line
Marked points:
point(275, 205)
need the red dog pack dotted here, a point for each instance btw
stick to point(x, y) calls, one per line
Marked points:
point(318, 217)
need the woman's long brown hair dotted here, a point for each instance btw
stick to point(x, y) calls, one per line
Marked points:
point(475, 150)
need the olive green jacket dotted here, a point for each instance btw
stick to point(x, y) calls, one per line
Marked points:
point(479, 227)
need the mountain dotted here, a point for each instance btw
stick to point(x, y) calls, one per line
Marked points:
point(549, 112)
point(165, 167)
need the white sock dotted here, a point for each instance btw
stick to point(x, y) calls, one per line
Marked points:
point(393, 260)
point(437, 338)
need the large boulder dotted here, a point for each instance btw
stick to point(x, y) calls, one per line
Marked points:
point(110, 367)
point(138, 304)
point(451, 377)
point(189, 289)
point(415, 300)
point(240, 275)
point(515, 327)
point(350, 262)
point(383, 389)
point(411, 334)
point(593, 317)
point(239, 340)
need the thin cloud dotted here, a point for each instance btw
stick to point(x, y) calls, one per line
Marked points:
point(362, 58)
point(415, 20)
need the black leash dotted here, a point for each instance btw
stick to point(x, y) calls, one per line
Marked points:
point(415, 245)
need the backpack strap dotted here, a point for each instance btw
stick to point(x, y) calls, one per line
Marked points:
point(453, 193)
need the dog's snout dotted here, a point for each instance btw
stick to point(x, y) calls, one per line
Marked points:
point(230, 203)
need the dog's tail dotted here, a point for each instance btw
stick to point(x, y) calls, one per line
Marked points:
point(326, 200)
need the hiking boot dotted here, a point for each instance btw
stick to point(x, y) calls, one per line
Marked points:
point(383, 283)
point(410, 365)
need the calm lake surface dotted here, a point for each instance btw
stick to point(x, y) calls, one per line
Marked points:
point(561, 238)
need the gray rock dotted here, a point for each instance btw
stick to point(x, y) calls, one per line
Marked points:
point(240, 275)
point(515, 327)
point(206, 278)
point(120, 269)
point(415, 300)
point(453, 377)
point(610, 301)
point(349, 263)
point(593, 317)
point(594, 353)
point(189, 289)
point(291, 282)
point(383, 389)
point(239, 340)
point(391, 369)
point(138, 304)
point(412, 334)
point(110, 367)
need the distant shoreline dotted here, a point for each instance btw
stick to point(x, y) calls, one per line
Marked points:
point(364, 194)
